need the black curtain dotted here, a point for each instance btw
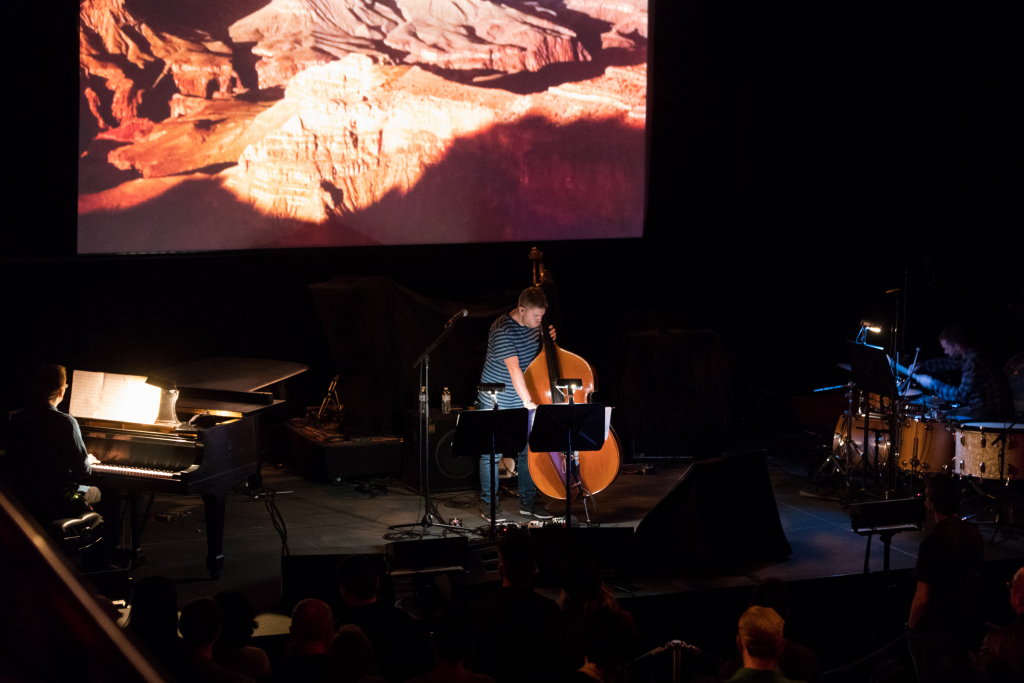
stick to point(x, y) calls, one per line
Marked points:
point(377, 329)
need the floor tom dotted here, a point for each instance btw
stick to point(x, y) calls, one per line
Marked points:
point(990, 450)
point(926, 446)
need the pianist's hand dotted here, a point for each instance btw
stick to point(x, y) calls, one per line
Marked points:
point(92, 459)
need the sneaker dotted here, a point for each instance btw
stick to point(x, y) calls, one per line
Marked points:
point(485, 511)
point(538, 510)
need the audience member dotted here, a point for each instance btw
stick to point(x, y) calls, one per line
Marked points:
point(759, 641)
point(452, 639)
point(1002, 651)
point(200, 625)
point(233, 651)
point(397, 639)
point(795, 661)
point(351, 658)
point(522, 636)
point(609, 641)
point(584, 592)
point(944, 615)
point(154, 619)
point(312, 631)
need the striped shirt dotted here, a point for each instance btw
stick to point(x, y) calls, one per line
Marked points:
point(507, 339)
point(984, 391)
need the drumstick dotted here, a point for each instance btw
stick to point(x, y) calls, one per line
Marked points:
point(910, 372)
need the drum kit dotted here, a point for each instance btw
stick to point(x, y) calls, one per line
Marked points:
point(917, 435)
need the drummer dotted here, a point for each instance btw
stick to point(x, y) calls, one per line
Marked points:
point(983, 392)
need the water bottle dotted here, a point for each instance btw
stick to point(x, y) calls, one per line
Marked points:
point(446, 401)
point(423, 400)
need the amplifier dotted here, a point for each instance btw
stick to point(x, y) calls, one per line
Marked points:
point(446, 472)
point(321, 455)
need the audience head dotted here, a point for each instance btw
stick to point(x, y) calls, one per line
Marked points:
point(608, 639)
point(312, 625)
point(516, 559)
point(154, 613)
point(357, 580)
point(350, 656)
point(454, 633)
point(239, 618)
point(200, 622)
point(49, 382)
point(772, 593)
point(943, 494)
point(1017, 591)
point(760, 634)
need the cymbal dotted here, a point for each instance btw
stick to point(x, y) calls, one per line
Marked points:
point(932, 401)
point(912, 392)
point(844, 366)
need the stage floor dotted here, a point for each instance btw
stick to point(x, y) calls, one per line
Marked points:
point(325, 519)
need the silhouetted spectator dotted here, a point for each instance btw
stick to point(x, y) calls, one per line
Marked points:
point(584, 592)
point(795, 661)
point(609, 641)
point(1002, 651)
point(522, 636)
point(397, 639)
point(945, 613)
point(452, 639)
point(312, 631)
point(154, 618)
point(200, 625)
point(351, 658)
point(232, 650)
point(759, 641)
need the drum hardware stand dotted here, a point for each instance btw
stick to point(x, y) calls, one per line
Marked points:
point(1003, 495)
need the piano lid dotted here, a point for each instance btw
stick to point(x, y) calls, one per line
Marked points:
point(232, 374)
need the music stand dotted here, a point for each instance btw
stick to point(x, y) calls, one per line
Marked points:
point(569, 428)
point(872, 374)
point(489, 432)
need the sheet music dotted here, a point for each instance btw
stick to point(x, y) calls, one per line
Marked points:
point(104, 396)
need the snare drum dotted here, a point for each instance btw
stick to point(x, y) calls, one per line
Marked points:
point(926, 446)
point(977, 453)
point(878, 428)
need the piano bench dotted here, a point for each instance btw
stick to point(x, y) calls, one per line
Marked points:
point(73, 534)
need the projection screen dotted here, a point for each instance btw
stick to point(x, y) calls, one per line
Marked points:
point(244, 124)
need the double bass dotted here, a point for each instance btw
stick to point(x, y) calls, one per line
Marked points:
point(597, 469)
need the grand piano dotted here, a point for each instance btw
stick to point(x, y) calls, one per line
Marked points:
point(227, 407)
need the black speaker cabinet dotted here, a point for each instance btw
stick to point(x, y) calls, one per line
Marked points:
point(720, 516)
point(446, 472)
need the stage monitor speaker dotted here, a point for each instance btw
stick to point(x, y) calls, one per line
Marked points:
point(447, 473)
point(720, 516)
point(315, 576)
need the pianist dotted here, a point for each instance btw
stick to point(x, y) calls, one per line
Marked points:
point(46, 454)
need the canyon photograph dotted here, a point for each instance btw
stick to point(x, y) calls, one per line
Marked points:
point(241, 124)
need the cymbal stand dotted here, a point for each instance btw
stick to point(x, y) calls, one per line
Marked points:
point(841, 456)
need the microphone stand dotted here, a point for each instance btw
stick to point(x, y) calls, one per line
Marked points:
point(429, 509)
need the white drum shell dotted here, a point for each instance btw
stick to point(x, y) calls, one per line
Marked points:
point(977, 454)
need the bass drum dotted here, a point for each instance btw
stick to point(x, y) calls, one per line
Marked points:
point(926, 446)
point(878, 428)
point(978, 449)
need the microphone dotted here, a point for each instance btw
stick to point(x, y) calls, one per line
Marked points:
point(461, 314)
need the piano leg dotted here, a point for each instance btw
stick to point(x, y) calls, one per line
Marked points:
point(215, 505)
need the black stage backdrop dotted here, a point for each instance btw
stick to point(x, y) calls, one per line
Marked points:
point(803, 160)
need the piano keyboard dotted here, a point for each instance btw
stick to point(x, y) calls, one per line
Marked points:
point(133, 471)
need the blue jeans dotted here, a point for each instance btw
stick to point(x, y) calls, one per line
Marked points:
point(527, 491)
